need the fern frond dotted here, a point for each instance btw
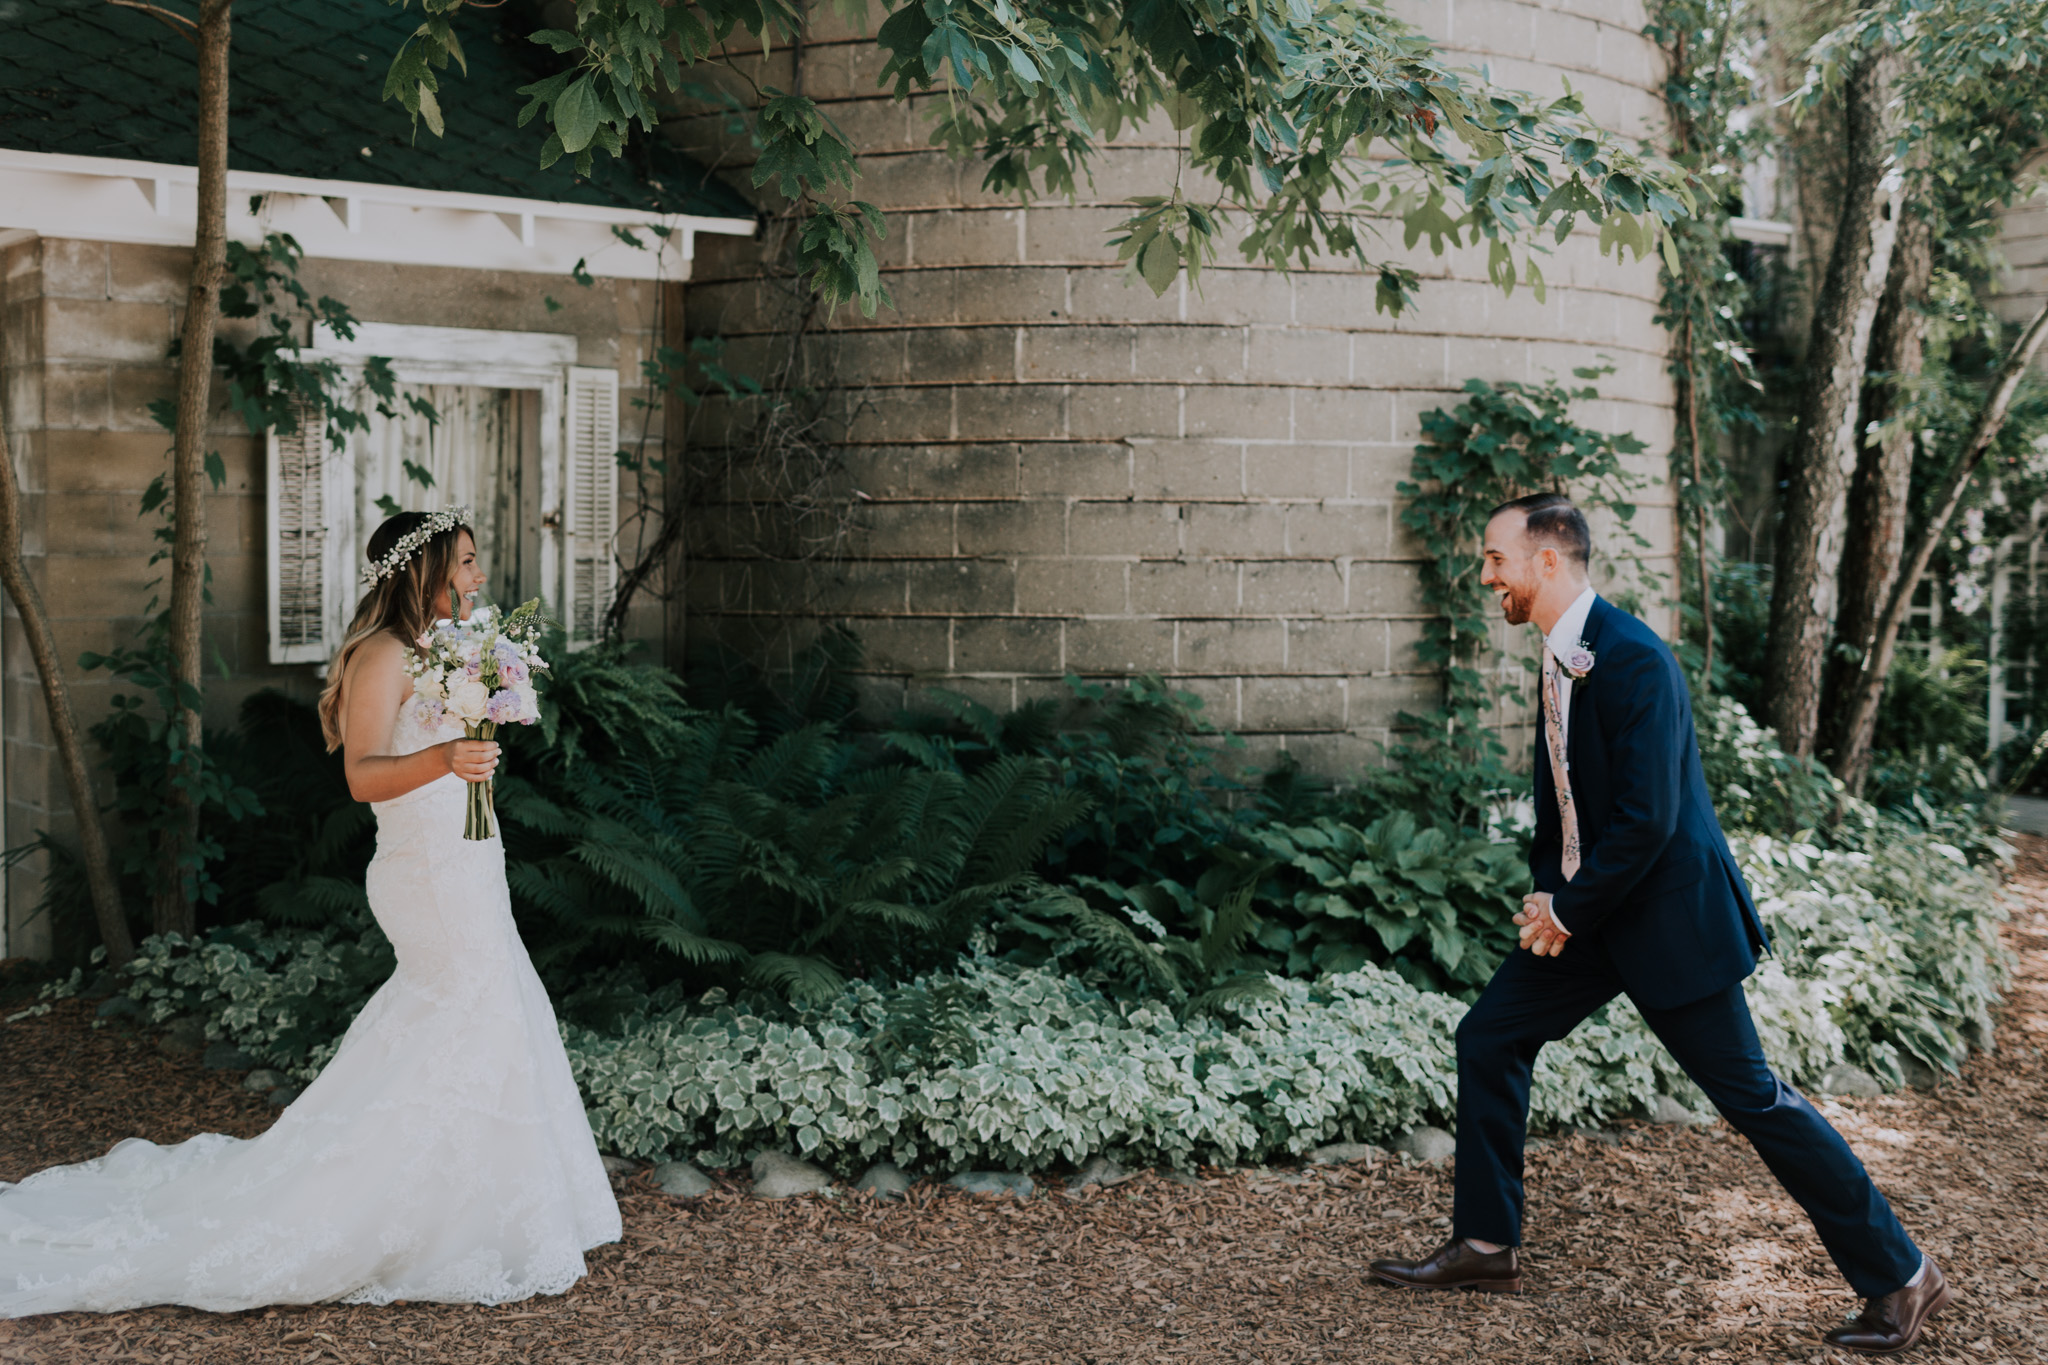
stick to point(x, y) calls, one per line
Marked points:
point(688, 944)
point(803, 979)
point(1238, 990)
point(1232, 922)
point(1116, 946)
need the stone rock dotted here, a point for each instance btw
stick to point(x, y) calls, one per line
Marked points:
point(119, 1007)
point(103, 984)
point(1918, 1074)
point(1173, 1177)
point(619, 1165)
point(225, 1057)
point(778, 1175)
point(1343, 1151)
point(884, 1180)
point(1664, 1109)
point(184, 1037)
point(681, 1179)
point(283, 1095)
point(1426, 1144)
point(1099, 1170)
point(1605, 1136)
point(1849, 1081)
point(264, 1079)
point(994, 1182)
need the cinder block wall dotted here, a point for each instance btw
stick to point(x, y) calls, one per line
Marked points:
point(1060, 473)
point(85, 329)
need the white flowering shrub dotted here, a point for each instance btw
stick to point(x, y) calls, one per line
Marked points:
point(1879, 954)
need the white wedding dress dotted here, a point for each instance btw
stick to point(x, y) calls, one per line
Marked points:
point(443, 1154)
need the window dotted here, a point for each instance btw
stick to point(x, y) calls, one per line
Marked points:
point(524, 437)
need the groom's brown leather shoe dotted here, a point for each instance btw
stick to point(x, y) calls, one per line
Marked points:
point(1455, 1265)
point(1892, 1322)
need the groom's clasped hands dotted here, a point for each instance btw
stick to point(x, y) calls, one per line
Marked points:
point(1540, 933)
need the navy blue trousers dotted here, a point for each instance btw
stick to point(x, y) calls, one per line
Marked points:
point(1536, 1000)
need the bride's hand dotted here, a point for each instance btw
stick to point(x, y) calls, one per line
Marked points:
point(472, 760)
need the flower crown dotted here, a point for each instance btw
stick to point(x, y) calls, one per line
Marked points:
point(409, 544)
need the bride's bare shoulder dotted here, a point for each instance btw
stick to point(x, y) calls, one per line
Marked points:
point(376, 666)
point(381, 652)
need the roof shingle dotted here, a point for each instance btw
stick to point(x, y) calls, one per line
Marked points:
point(305, 79)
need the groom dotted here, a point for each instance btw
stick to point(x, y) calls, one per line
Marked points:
point(1636, 892)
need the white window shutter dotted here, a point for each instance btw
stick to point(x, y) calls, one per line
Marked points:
point(301, 526)
point(590, 503)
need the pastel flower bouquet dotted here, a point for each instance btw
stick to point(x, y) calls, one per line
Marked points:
point(481, 672)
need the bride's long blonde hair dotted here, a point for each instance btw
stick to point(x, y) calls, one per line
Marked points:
point(404, 604)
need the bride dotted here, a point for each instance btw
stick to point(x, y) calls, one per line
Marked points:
point(443, 1154)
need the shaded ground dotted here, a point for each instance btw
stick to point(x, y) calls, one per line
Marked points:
point(1673, 1245)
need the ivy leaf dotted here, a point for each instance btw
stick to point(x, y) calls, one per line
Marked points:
point(1159, 264)
point(430, 111)
point(576, 115)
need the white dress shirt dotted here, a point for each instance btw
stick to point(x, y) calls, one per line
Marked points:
point(1563, 637)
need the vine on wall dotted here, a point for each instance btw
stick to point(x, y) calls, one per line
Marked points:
point(1503, 441)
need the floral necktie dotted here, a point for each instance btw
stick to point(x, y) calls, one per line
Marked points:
point(1560, 773)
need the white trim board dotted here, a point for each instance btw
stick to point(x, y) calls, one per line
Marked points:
point(493, 352)
point(108, 199)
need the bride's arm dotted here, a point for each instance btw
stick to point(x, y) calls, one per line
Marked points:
point(372, 691)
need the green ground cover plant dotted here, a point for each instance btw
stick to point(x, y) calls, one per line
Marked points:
point(1881, 955)
point(1240, 1042)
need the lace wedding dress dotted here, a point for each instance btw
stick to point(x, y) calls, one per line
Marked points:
point(443, 1154)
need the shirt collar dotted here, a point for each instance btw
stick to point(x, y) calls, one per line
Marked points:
point(1571, 627)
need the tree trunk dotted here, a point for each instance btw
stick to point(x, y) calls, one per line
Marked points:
point(174, 910)
point(1884, 473)
point(42, 647)
point(1689, 399)
point(1823, 448)
point(1852, 765)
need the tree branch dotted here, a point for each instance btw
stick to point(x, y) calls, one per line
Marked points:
point(172, 20)
point(1853, 763)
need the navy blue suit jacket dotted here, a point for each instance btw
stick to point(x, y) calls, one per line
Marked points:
point(1657, 890)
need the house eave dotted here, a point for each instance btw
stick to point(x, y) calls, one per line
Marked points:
point(110, 199)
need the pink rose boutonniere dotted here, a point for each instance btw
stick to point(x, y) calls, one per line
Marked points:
point(1578, 661)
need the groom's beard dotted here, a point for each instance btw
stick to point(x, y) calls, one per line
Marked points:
point(1518, 605)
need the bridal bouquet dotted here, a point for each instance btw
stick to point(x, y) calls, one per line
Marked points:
point(481, 672)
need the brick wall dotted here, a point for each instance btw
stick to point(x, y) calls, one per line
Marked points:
point(1060, 473)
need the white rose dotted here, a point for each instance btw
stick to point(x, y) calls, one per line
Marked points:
point(467, 700)
point(529, 702)
point(429, 688)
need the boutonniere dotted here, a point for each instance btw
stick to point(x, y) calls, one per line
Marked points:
point(1578, 661)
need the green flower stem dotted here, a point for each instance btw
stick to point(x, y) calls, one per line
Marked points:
point(479, 823)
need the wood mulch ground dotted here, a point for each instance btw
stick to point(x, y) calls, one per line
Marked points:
point(1671, 1245)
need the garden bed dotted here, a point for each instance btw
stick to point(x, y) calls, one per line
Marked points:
point(1673, 1244)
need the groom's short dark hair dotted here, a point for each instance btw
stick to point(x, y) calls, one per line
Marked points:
point(1552, 520)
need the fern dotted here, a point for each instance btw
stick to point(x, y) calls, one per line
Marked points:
point(802, 978)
